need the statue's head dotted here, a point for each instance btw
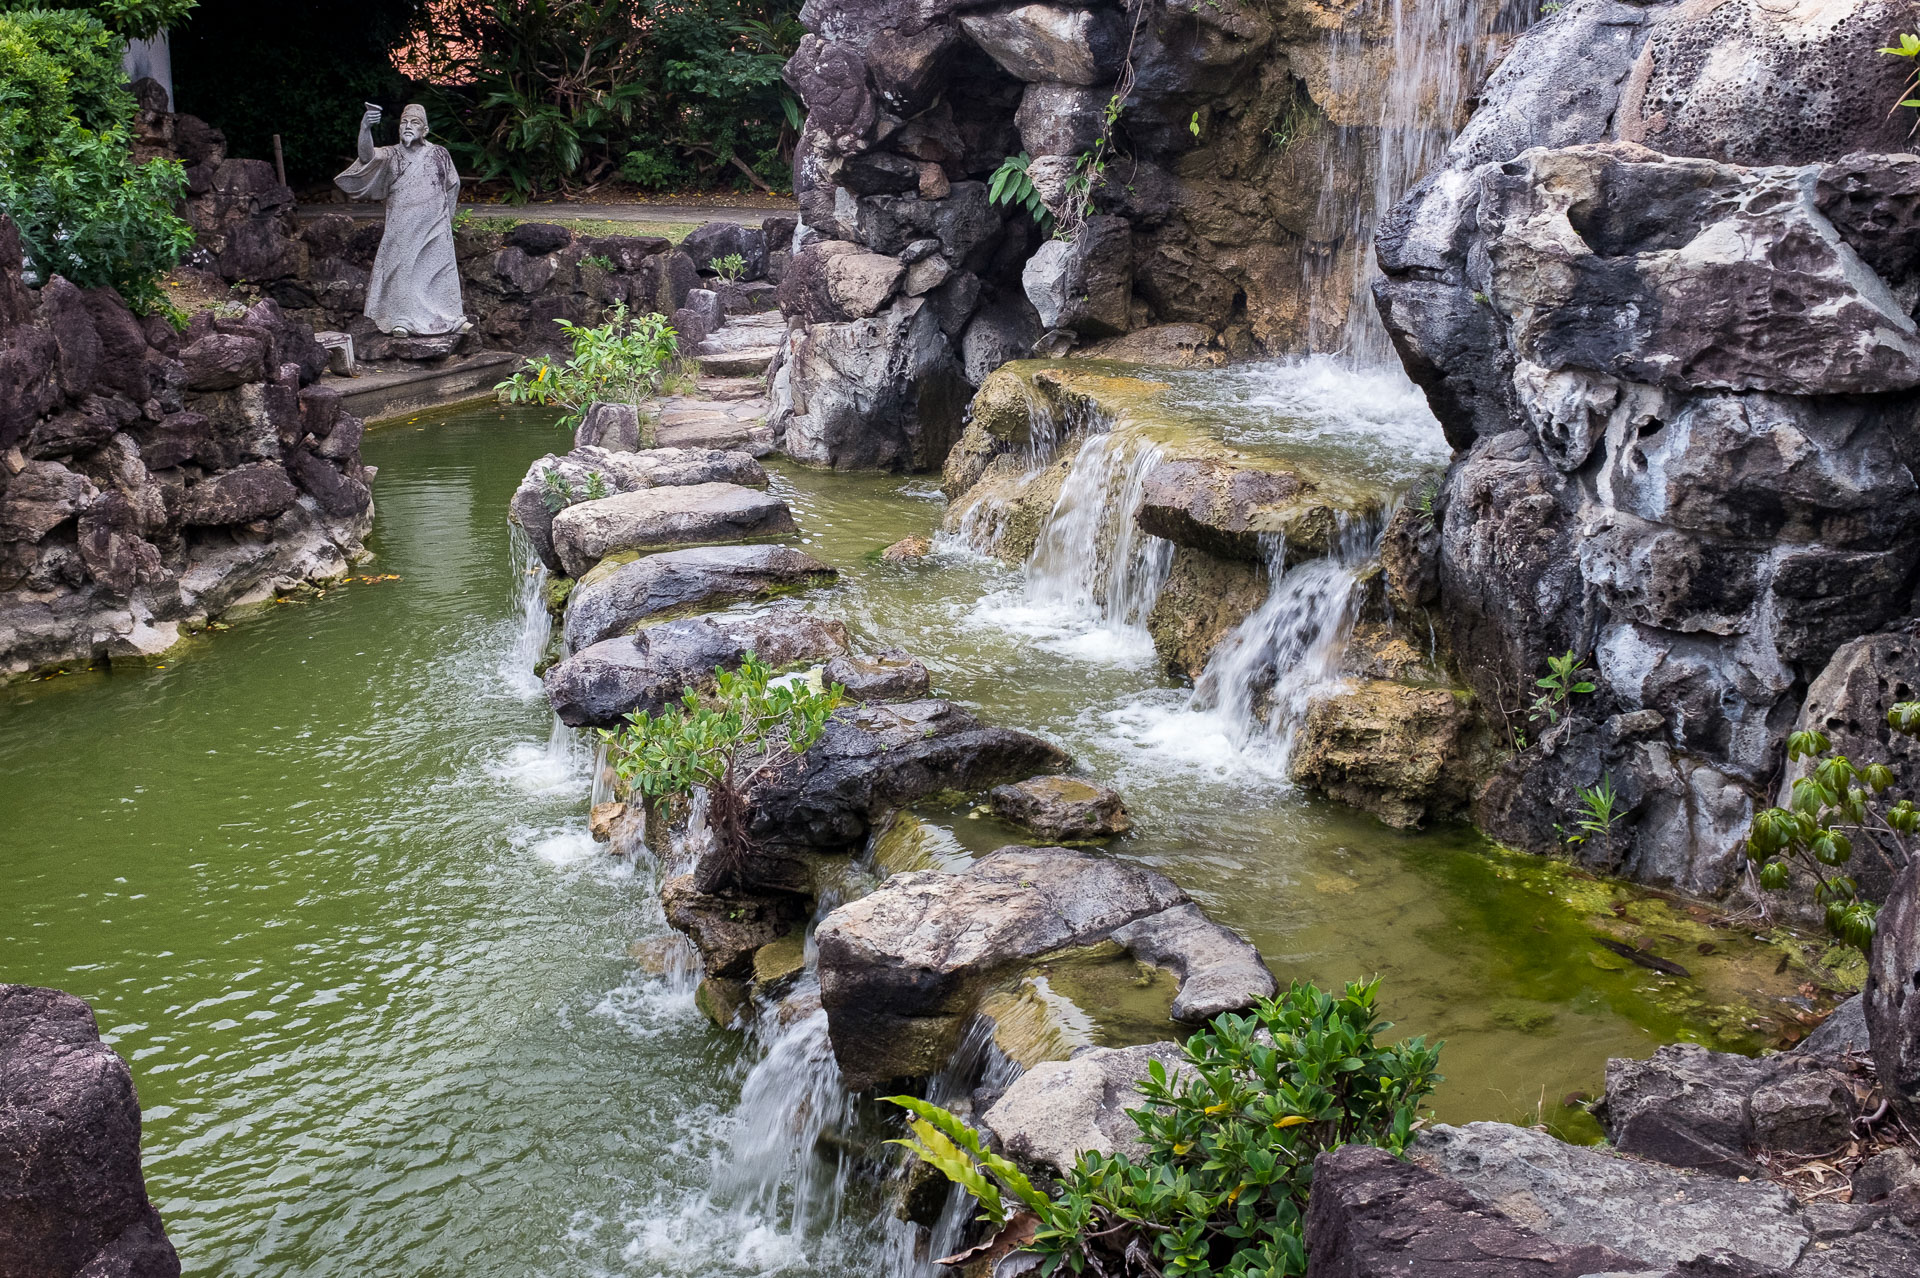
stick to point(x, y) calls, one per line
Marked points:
point(413, 124)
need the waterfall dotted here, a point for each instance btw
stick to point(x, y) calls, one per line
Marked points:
point(1417, 63)
point(1261, 677)
point(536, 623)
point(1094, 575)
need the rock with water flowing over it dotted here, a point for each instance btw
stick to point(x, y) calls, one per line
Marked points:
point(652, 518)
point(903, 970)
point(875, 757)
point(73, 1200)
point(1237, 511)
point(648, 670)
point(1059, 1109)
point(728, 928)
point(887, 675)
point(1062, 809)
point(559, 480)
point(614, 598)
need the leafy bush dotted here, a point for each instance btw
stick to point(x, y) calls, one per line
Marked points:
point(619, 362)
point(719, 743)
point(1834, 804)
point(558, 94)
point(67, 177)
point(134, 19)
point(1223, 1188)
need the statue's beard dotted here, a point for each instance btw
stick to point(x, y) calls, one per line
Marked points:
point(409, 136)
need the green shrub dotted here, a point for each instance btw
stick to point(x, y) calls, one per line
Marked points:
point(134, 19)
point(1223, 1187)
point(718, 743)
point(622, 361)
point(1830, 807)
point(85, 210)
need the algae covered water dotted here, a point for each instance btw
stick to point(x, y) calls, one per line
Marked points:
point(326, 879)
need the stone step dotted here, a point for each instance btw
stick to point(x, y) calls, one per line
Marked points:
point(750, 361)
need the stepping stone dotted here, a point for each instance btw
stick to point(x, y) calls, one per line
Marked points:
point(651, 518)
point(611, 601)
point(737, 424)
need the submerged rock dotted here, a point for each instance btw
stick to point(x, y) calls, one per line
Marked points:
point(1057, 1110)
point(611, 601)
point(888, 675)
point(1063, 809)
point(903, 969)
point(648, 670)
point(73, 1200)
point(650, 518)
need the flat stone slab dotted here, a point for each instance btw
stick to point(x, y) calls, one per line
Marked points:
point(608, 602)
point(743, 347)
point(738, 423)
point(590, 465)
point(586, 533)
point(903, 969)
point(649, 669)
point(383, 396)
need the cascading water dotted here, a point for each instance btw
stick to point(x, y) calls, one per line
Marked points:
point(530, 606)
point(1418, 63)
point(1261, 677)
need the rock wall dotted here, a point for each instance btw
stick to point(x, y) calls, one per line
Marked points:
point(72, 1197)
point(1683, 391)
point(1237, 197)
point(152, 479)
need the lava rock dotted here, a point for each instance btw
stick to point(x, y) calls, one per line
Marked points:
point(1062, 809)
point(239, 496)
point(609, 602)
point(651, 518)
point(649, 669)
point(221, 361)
point(715, 240)
point(44, 495)
point(72, 1197)
point(538, 239)
point(1893, 993)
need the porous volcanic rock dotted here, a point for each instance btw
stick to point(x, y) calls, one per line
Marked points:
point(73, 1200)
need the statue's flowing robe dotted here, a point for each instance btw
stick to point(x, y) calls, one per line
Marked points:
point(416, 279)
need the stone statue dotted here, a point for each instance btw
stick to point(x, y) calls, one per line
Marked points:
point(415, 289)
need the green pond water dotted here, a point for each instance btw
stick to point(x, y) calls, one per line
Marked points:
point(325, 879)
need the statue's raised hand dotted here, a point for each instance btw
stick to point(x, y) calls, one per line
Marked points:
point(371, 118)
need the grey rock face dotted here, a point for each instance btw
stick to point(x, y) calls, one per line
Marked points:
point(876, 757)
point(648, 670)
point(1893, 993)
point(1058, 1109)
point(610, 602)
point(72, 1197)
point(1084, 283)
point(1037, 42)
point(650, 518)
point(1576, 1196)
point(242, 495)
point(620, 472)
point(1845, 1030)
point(902, 969)
point(1064, 809)
point(1218, 971)
point(1060, 119)
point(1372, 1215)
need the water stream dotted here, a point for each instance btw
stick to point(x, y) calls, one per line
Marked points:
point(327, 880)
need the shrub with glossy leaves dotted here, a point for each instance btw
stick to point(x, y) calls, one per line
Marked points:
point(1223, 1187)
point(1835, 804)
point(622, 361)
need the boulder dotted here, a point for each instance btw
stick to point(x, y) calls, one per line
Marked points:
point(1216, 968)
point(1844, 1030)
point(727, 928)
point(1086, 283)
point(1236, 512)
point(861, 283)
point(964, 221)
point(649, 518)
point(887, 675)
point(875, 757)
point(1002, 331)
point(614, 427)
point(1577, 1196)
point(239, 496)
point(1689, 1107)
point(708, 243)
point(1057, 1110)
point(1039, 42)
point(906, 550)
point(1373, 1216)
point(611, 601)
point(902, 969)
point(531, 505)
point(538, 239)
point(648, 670)
point(72, 1197)
point(1060, 119)
point(221, 361)
point(1405, 753)
point(1062, 809)
point(1893, 993)
point(44, 495)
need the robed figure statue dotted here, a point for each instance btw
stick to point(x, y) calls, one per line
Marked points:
point(415, 289)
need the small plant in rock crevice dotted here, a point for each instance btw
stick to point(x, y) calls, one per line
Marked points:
point(729, 268)
point(1566, 677)
point(1011, 185)
point(1598, 813)
point(1223, 1187)
point(719, 742)
point(622, 361)
point(1909, 48)
point(1836, 804)
point(557, 494)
